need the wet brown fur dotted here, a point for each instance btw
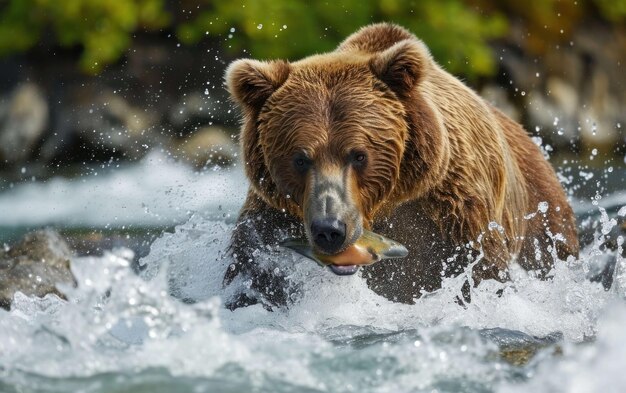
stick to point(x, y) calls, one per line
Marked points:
point(434, 146)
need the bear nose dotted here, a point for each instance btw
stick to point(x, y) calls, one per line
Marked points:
point(328, 234)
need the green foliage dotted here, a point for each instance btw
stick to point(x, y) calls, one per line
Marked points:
point(457, 31)
point(101, 27)
point(613, 10)
point(456, 34)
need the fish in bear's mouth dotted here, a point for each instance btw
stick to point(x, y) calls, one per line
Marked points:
point(368, 249)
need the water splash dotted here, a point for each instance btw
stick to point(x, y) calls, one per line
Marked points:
point(337, 336)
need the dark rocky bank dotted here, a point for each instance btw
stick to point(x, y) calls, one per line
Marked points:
point(171, 97)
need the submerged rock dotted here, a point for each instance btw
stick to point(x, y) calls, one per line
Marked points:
point(34, 266)
point(518, 348)
point(208, 146)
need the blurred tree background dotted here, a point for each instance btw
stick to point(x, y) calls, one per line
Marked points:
point(92, 81)
point(457, 31)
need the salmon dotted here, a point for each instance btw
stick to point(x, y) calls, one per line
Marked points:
point(368, 249)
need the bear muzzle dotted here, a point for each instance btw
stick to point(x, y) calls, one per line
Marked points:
point(331, 220)
point(328, 234)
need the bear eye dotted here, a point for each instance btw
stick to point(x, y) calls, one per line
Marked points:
point(358, 159)
point(301, 162)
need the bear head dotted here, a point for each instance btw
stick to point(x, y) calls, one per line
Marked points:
point(337, 138)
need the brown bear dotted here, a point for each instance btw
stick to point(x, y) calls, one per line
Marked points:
point(377, 135)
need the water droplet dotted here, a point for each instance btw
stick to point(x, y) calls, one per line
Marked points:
point(260, 26)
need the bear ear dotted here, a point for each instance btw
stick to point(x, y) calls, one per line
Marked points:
point(402, 65)
point(252, 82)
point(375, 38)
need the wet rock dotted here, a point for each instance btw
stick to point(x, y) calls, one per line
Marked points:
point(518, 348)
point(563, 95)
point(566, 65)
point(113, 124)
point(575, 91)
point(96, 124)
point(192, 107)
point(541, 111)
point(134, 120)
point(519, 71)
point(600, 114)
point(34, 266)
point(197, 109)
point(23, 120)
point(208, 146)
point(96, 242)
point(607, 58)
point(554, 111)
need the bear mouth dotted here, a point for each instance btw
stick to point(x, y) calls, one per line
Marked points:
point(369, 248)
point(343, 270)
point(358, 232)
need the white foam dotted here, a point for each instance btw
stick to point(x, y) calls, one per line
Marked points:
point(587, 368)
point(569, 302)
point(115, 321)
point(155, 191)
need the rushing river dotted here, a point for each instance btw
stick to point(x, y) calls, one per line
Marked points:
point(123, 332)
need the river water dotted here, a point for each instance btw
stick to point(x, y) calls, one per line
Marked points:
point(123, 332)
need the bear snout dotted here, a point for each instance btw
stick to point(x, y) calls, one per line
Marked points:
point(331, 218)
point(328, 234)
